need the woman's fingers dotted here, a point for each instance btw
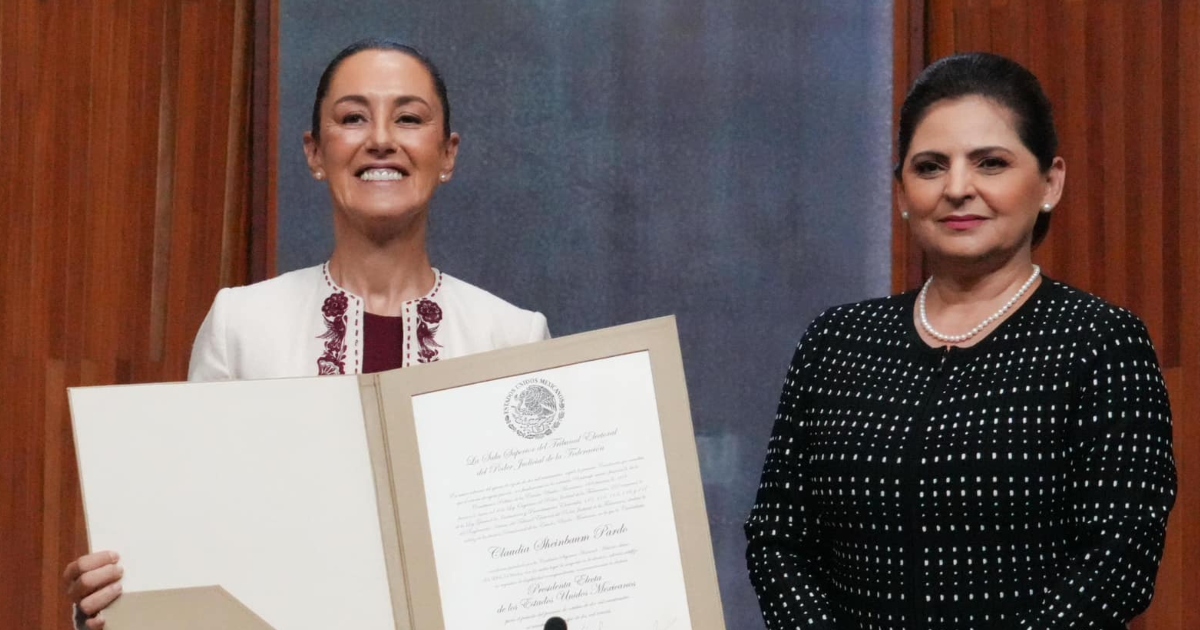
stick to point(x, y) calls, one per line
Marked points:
point(98, 601)
point(95, 580)
point(90, 562)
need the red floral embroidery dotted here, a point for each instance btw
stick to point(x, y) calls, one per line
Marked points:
point(430, 316)
point(334, 359)
point(429, 311)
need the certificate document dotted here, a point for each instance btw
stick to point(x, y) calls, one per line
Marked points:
point(553, 480)
point(488, 492)
point(556, 501)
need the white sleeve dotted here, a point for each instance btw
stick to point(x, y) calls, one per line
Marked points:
point(210, 360)
point(539, 330)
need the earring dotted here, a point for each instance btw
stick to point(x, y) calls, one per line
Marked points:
point(904, 215)
point(1047, 208)
point(442, 177)
point(319, 175)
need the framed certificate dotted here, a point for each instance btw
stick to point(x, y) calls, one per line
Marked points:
point(558, 479)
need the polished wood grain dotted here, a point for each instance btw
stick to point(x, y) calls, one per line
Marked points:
point(126, 170)
point(264, 144)
point(907, 61)
point(1124, 78)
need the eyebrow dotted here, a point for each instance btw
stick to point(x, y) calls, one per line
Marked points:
point(974, 154)
point(400, 100)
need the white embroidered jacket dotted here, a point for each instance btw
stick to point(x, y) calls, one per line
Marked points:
point(302, 324)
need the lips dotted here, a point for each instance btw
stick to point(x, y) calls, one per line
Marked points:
point(963, 222)
point(381, 173)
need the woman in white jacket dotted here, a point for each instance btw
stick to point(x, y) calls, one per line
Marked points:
point(381, 139)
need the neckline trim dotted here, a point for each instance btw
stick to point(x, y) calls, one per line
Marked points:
point(437, 285)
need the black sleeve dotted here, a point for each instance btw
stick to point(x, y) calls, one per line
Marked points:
point(1122, 485)
point(782, 552)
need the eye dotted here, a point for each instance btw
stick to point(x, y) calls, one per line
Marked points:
point(353, 118)
point(409, 119)
point(993, 163)
point(926, 168)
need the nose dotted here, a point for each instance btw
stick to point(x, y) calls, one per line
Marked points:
point(381, 142)
point(960, 185)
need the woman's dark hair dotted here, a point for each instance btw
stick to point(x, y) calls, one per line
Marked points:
point(377, 44)
point(997, 79)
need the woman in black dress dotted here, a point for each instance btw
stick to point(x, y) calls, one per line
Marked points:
point(992, 451)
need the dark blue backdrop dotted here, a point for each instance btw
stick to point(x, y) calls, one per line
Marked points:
point(726, 162)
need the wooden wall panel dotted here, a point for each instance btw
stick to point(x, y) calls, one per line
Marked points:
point(264, 143)
point(1124, 78)
point(126, 205)
point(908, 60)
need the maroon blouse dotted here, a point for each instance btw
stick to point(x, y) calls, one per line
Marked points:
point(383, 342)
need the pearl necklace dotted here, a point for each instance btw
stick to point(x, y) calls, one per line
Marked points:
point(1037, 271)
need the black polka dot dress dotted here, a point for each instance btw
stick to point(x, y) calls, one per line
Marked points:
point(1023, 482)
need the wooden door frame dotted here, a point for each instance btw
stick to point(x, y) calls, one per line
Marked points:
point(264, 141)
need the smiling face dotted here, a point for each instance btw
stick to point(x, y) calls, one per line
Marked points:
point(971, 188)
point(383, 145)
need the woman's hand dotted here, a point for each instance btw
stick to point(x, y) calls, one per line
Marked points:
point(93, 583)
